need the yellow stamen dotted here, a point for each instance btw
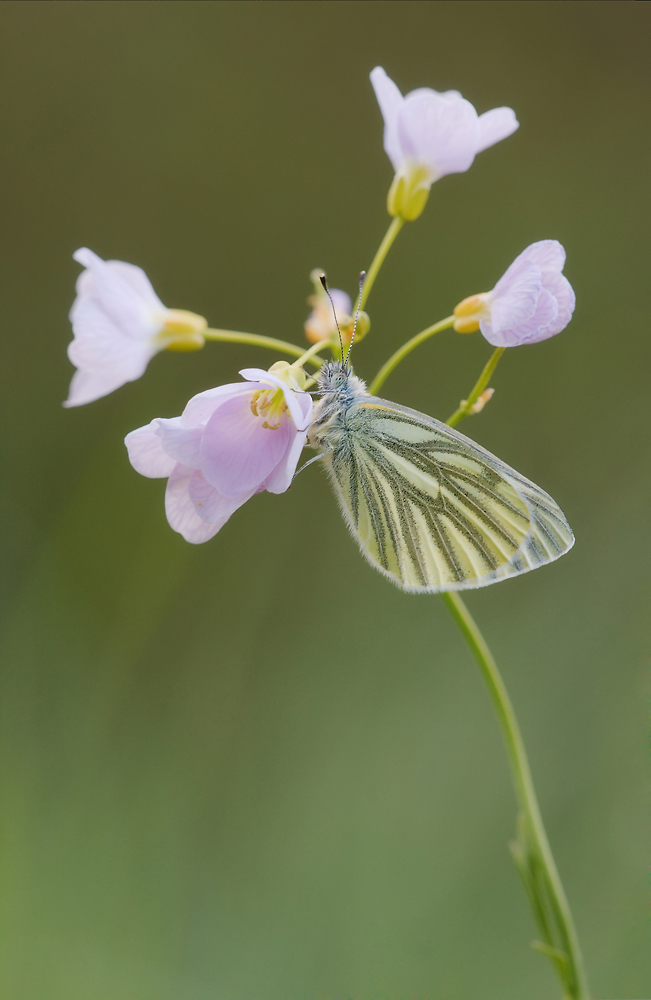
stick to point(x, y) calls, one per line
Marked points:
point(270, 404)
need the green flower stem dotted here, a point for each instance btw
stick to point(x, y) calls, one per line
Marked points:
point(406, 349)
point(378, 260)
point(466, 405)
point(233, 337)
point(541, 877)
point(308, 355)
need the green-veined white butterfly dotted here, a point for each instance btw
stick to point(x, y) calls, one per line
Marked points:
point(430, 509)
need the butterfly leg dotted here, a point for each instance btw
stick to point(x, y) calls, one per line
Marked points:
point(315, 459)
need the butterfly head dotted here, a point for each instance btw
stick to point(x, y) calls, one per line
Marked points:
point(338, 384)
point(334, 377)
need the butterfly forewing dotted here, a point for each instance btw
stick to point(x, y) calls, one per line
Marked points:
point(430, 508)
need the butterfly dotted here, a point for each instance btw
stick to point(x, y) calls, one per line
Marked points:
point(430, 509)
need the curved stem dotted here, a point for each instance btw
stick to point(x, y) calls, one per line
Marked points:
point(406, 349)
point(570, 966)
point(378, 260)
point(234, 337)
point(466, 405)
point(308, 355)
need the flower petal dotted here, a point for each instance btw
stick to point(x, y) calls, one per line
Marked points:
point(181, 443)
point(86, 387)
point(563, 292)
point(103, 353)
point(202, 406)
point(211, 505)
point(181, 512)
point(515, 296)
point(390, 100)
point(281, 478)
point(548, 255)
point(135, 315)
point(528, 332)
point(146, 452)
point(438, 132)
point(237, 451)
point(496, 125)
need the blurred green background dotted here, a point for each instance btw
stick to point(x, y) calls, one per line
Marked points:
point(253, 770)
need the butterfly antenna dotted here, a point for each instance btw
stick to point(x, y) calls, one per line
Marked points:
point(324, 282)
point(362, 278)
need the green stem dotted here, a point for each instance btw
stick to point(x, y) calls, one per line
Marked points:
point(406, 349)
point(466, 405)
point(575, 981)
point(378, 260)
point(311, 353)
point(234, 337)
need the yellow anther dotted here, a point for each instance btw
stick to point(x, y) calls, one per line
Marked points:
point(270, 404)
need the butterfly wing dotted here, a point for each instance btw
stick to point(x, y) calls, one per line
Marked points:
point(434, 511)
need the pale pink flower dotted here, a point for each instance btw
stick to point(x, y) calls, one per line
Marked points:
point(532, 301)
point(230, 443)
point(428, 134)
point(119, 323)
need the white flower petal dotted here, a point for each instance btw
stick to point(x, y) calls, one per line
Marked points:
point(281, 478)
point(563, 292)
point(146, 452)
point(86, 387)
point(132, 312)
point(515, 296)
point(183, 444)
point(211, 505)
point(548, 255)
point(202, 406)
point(390, 100)
point(181, 512)
point(438, 132)
point(101, 347)
point(496, 125)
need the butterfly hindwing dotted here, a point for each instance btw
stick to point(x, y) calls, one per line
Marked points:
point(433, 510)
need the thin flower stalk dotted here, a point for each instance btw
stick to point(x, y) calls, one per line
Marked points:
point(465, 408)
point(258, 340)
point(532, 852)
point(378, 260)
point(406, 349)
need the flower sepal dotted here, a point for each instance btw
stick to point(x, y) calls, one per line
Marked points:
point(469, 312)
point(182, 331)
point(408, 193)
